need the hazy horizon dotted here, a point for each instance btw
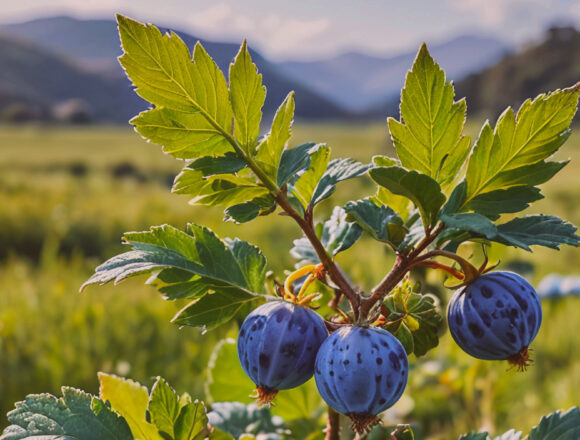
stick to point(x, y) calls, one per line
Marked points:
point(310, 31)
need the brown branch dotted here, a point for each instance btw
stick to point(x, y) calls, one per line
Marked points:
point(332, 425)
point(402, 265)
point(331, 268)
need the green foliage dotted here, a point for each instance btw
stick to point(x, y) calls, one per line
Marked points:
point(555, 426)
point(221, 276)
point(429, 137)
point(75, 415)
point(421, 189)
point(238, 420)
point(248, 96)
point(336, 234)
point(381, 222)
point(413, 318)
point(514, 153)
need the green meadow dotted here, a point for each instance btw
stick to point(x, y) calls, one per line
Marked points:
point(68, 194)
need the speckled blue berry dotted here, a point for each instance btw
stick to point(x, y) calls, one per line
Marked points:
point(361, 371)
point(277, 345)
point(496, 316)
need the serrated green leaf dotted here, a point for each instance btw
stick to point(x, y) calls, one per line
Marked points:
point(413, 318)
point(238, 420)
point(294, 161)
point(233, 269)
point(471, 222)
point(236, 265)
point(541, 230)
point(500, 157)
point(182, 135)
point(271, 147)
point(192, 422)
point(214, 309)
point(130, 400)
point(245, 212)
point(429, 137)
point(504, 201)
point(162, 69)
point(163, 407)
point(75, 415)
point(510, 435)
point(558, 426)
point(337, 171)
point(304, 187)
point(229, 163)
point(247, 95)
point(381, 222)
point(422, 190)
point(336, 234)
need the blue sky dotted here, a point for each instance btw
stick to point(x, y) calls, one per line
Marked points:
point(311, 29)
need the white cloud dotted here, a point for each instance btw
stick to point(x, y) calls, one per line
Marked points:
point(575, 10)
point(212, 18)
point(489, 13)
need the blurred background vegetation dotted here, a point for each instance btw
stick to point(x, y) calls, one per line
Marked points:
point(68, 193)
point(71, 183)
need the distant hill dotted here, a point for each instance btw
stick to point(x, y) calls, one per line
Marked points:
point(357, 81)
point(42, 79)
point(93, 46)
point(550, 65)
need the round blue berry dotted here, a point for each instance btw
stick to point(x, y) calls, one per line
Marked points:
point(361, 371)
point(495, 317)
point(277, 345)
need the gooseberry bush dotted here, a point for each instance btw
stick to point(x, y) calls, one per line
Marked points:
point(442, 191)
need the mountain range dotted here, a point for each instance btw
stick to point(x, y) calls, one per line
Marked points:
point(51, 60)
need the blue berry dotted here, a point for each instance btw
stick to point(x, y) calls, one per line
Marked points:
point(360, 372)
point(496, 317)
point(277, 346)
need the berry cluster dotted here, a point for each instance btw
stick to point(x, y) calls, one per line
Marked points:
point(361, 370)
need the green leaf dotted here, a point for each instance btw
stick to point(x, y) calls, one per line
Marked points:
point(541, 230)
point(233, 269)
point(502, 157)
point(381, 222)
point(130, 399)
point(336, 234)
point(429, 137)
point(182, 135)
point(471, 222)
point(235, 264)
point(163, 407)
point(214, 309)
point(503, 201)
point(558, 426)
point(422, 190)
point(245, 212)
point(230, 163)
point(271, 147)
point(218, 190)
point(413, 318)
point(192, 422)
point(226, 380)
point(162, 69)
point(294, 161)
point(337, 171)
point(74, 416)
point(304, 187)
point(238, 419)
point(248, 95)
point(303, 402)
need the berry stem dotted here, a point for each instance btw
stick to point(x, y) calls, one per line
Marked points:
point(332, 431)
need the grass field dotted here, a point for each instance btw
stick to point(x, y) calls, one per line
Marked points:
point(67, 195)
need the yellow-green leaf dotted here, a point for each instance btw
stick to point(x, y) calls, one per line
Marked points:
point(130, 400)
point(247, 94)
point(429, 137)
